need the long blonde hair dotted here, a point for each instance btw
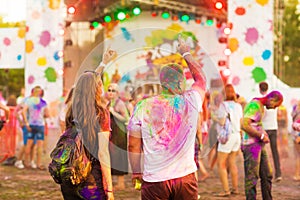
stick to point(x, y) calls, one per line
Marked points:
point(86, 109)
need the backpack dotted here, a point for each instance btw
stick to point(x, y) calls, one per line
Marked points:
point(70, 163)
point(225, 130)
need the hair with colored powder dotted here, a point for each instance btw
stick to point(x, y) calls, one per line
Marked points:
point(276, 95)
point(170, 77)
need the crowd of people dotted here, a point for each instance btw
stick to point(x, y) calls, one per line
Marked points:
point(159, 138)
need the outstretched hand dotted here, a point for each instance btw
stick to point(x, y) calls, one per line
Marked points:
point(182, 46)
point(108, 56)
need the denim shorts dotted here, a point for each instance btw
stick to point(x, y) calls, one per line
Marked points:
point(37, 133)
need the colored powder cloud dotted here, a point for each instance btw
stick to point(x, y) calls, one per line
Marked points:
point(259, 74)
point(262, 2)
point(45, 38)
point(21, 32)
point(240, 10)
point(42, 61)
point(54, 4)
point(236, 80)
point(266, 54)
point(248, 61)
point(233, 44)
point(6, 41)
point(251, 36)
point(29, 46)
point(30, 79)
point(50, 74)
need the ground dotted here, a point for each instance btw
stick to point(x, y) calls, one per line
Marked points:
point(29, 184)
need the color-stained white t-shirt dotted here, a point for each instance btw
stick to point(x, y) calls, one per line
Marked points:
point(168, 124)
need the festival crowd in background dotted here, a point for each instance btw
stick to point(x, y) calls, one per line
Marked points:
point(171, 126)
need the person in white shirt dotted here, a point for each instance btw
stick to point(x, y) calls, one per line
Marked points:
point(163, 128)
point(270, 125)
point(227, 152)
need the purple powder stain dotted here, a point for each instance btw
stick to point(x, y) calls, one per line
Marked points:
point(251, 36)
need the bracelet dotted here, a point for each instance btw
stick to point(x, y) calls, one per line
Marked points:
point(186, 53)
point(262, 136)
point(109, 191)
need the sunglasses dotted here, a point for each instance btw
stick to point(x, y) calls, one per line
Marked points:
point(109, 90)
point(96, 73)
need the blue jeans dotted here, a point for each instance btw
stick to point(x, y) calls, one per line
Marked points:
point(256, 165)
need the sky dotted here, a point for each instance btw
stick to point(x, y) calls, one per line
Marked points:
point(13, 10)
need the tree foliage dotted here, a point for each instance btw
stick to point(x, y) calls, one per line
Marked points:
point(11, 81)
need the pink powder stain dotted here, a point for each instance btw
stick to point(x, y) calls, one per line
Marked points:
point(45, 38)
point(30, 79)
point(251, 36)
point(6, 41)
point(236, 80)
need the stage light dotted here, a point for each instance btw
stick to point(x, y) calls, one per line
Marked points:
point(121, 15)
point(225, 72)
point(218, 5)
point(209, 22)
point(107, 18)
point(222, 40)
point(227, 52)
point(227, 30)
point(136, 11)
point(185, 18)
point(95, 24)
point(71, 10)
point(222, 63)
point(165, 15)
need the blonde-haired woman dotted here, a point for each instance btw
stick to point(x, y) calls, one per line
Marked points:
point(227, 152)
point(88, 114)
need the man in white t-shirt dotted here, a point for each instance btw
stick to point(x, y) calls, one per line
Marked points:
point(270, 126)
point(163, 128)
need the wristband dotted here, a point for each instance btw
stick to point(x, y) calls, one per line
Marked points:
point(186, 53)
point(262, 136)
point(109, 191)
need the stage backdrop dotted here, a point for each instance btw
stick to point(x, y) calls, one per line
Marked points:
point(251, 44)
point(12, 47)
point(145, 43)
point(43, 65)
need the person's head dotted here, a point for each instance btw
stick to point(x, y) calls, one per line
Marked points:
point(85, 107)
point(263, 87)
point(112, 91)
point(274, 99)
point(230, 94)
point(172, 78)
point(12, 100)
point(36, 91)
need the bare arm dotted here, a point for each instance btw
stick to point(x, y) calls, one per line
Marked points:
point(104, 158)
point(194, 67)
point(135, 150)
point(253, 132)
point(121, 112)
point(6, 110)
point(199, 129)
point(106, 58)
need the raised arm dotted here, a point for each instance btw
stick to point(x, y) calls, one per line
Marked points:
point(194, 67)
point(106, 58)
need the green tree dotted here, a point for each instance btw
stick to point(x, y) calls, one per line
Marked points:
point(289, 69)
point(11, 81)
